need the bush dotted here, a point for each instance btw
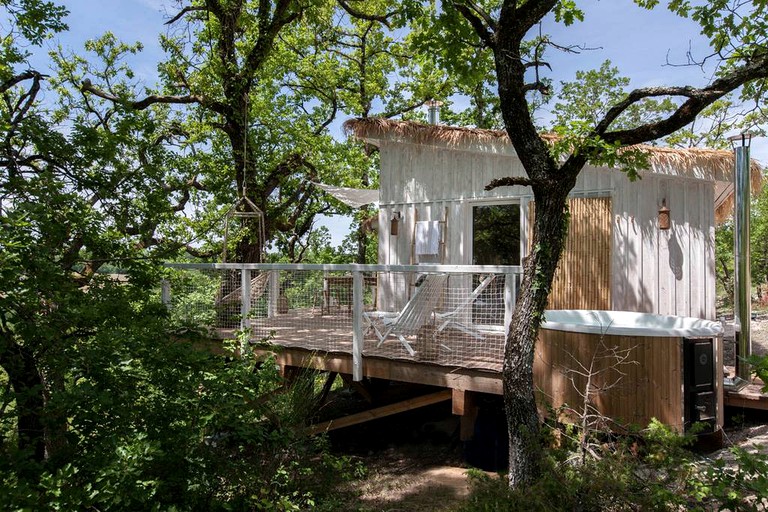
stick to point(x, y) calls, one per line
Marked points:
point(155, 424)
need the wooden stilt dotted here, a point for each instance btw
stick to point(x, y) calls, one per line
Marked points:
point(464, 405)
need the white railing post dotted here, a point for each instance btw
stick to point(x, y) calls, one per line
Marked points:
point(245, 298)
point(510, 299)
point(357, 326)
point(165, 293)
point(274, 293)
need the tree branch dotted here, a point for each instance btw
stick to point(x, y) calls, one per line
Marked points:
point(537, 86)
point(20, 78)
point(383, 19)
point(185, 10)
point(268, 30)
point(698, 99)
point(219, 108)
point(509, 181)
point(520, 20)
point(484, 30)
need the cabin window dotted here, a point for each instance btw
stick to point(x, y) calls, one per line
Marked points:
point(496, 234)
point(495, 241)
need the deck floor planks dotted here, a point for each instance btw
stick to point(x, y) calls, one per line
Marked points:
point(332, 333)
point(750, 397)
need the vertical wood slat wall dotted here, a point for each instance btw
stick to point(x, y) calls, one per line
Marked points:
point(650, 387)
point(583, 277)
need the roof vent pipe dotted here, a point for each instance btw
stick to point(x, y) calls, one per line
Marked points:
point(742, 303)
point(434, 111)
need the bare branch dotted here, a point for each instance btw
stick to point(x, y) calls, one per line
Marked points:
point(538, 63)
point(181, 13)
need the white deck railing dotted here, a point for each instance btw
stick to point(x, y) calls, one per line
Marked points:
point(329, 308)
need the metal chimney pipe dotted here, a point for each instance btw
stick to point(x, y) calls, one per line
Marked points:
point(742, 303)
point(433, 116)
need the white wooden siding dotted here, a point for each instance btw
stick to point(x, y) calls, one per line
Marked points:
point(665, 272)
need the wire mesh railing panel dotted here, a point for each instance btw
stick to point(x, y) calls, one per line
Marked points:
point(445, 318)
point(455, 320)
point(205, 298)
point(303, 314)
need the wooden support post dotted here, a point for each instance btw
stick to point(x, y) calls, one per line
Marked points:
point(245, 298)
point(465, 406)
point(357, 386)
point(326, 388)
point(357, 326)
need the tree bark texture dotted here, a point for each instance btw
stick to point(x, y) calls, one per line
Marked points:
point(28, 390)
point(550, 231)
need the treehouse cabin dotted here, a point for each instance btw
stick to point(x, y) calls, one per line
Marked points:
point(435, 308)
point(644, 246)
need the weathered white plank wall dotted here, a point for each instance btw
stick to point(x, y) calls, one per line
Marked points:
point(665, 272)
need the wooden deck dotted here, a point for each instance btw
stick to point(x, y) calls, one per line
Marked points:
point(456, 378)
point(449, 359)
point(310, 331)
point(750, 397)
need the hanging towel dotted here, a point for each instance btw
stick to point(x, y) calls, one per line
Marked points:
point(427, 237)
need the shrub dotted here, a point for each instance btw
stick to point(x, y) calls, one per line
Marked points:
point(650, 471)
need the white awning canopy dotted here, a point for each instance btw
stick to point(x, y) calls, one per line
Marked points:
point(354, 197)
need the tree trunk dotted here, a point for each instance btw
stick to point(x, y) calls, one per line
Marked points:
point(550, 231)
point(28, 390)
point(362, 244)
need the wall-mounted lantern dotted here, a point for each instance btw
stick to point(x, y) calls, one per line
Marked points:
point(394, 224)
point(664, 215)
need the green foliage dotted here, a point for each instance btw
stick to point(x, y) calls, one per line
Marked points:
point(759, 241)
point(758, 235)
point(759, 366)
point(652, 471)
point(31, 22)
point(155, 423)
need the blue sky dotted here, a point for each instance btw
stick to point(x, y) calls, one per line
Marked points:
point(637, 41)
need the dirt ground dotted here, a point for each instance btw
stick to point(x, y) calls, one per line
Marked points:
point(407, 479)
point(430, 478)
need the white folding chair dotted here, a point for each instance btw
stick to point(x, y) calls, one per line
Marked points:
point(416, 313)
point(456, 317)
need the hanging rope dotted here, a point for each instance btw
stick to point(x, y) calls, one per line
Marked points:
point(244, 209)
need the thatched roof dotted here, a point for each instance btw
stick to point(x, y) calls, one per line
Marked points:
point(701, 163)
